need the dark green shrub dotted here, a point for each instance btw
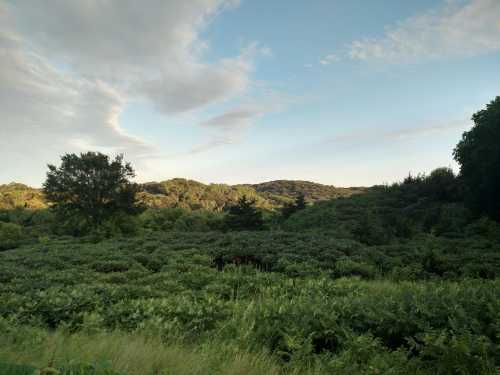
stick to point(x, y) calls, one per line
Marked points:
point(110, 266)
point(161, 218)
point(11, 235)
point(348, 267)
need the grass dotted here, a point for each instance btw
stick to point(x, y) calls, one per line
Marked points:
point(130, 354)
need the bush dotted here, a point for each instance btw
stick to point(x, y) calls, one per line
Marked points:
point(161, 218)
point(348, 267)
point(110, 266)
point(11, 235)
point(117, 225)
point(199, 221)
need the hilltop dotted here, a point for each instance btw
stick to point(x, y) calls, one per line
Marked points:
point(193, 195)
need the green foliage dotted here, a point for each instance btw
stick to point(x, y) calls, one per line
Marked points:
point(11, 235)
point(389, 214)
point(290, 208)
point(282, 191)
point(244, 216)
point(91, 187)
point(200, 221)
point(349, 267)
point(161, 218)
point(192, 195)
point(178, 219)
point(448, 352)
point(302, 310)
point(12, 369)
point(16, 195)
point(478, 154)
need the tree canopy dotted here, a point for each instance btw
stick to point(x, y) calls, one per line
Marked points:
point(478, 154)
point(244, 216)
point(290, 208)
point(92, 185)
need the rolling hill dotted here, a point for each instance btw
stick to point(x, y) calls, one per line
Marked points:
point(194, 195)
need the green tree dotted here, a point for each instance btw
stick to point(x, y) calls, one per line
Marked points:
point(244, 216)
point(442, 185)
point(478, 154)
point(91, 187)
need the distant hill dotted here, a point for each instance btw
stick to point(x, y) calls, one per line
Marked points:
point(180, 192)
point(275, 191)
point(193, 195)
point(18, 195)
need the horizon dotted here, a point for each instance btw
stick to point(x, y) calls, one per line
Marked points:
point(211, 183)
point(340, 93)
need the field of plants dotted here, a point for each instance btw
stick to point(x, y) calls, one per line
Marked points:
point(291, 278)
point(249, 303)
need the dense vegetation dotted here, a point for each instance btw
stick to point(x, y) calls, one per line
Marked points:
point(407, 311)
point(399, 279)
point(16, 195)
point(193, 195)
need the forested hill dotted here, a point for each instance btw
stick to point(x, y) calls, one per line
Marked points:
point(189, 194)
point(15, 195)
point(312, 191)
point(179, 192)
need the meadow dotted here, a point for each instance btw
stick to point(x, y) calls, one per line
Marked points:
point(268, 302)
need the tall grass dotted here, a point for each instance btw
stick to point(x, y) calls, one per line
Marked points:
point(129, 354)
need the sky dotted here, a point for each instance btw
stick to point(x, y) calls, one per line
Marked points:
point(348, 93)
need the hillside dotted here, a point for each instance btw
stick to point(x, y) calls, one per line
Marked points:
point(194, 195)
point(18, 195)
point(275, 191)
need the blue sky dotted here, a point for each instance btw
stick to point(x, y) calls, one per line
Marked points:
point(340, 92)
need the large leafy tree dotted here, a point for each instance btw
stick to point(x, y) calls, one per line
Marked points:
point(91, 185)
point(478, 154)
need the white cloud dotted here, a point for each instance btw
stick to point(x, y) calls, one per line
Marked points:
point(152, 49)
point(329, 59)
point(68, 68)
point(113, 37)
point(460, 29)
point(196, 85)
point(46, 113)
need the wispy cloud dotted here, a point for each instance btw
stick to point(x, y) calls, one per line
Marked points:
point(459, 29)
point(230, 126)
point(235, 118)
point(213, 143)
point(398, 134)
point(329, 59)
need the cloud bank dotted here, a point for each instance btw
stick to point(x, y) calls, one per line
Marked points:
point(461, 29)
point(68, 68)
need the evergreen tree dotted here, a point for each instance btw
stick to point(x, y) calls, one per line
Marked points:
point(290, 208)
point(244, 216)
